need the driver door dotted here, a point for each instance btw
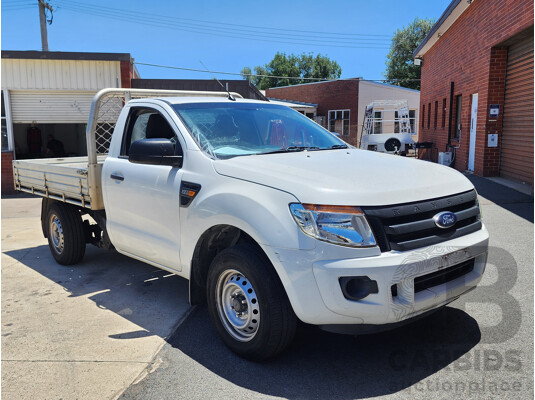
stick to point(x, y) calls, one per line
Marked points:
point(143, 200)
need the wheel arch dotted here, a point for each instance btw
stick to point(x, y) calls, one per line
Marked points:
point(214, 240)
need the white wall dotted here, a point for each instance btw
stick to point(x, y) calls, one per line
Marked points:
point(56, 95)
point(60, 74)
point(370, 91)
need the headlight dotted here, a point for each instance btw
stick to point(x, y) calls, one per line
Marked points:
point(341, 225)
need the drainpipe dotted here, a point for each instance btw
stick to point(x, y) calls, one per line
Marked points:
point(450, 122)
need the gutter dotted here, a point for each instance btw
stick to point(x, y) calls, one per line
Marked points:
point(438, 24)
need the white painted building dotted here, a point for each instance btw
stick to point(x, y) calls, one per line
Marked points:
point(50, 93)
point(53, 91)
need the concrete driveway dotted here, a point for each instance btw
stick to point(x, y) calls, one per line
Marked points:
point(81, 332)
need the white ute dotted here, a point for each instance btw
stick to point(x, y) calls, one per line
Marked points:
point(272, 218)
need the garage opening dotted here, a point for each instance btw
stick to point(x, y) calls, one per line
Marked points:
point(34, 140)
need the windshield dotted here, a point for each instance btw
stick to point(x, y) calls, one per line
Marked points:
point(225, 130)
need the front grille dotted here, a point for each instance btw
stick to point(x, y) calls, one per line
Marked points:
point(439, 277)
point(444, 276)
point(410, 226)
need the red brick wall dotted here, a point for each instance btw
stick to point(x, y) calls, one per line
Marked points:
point(127, 73)
point(469, 54)
point(489, 164)
point(7, 173)
point(335, 95)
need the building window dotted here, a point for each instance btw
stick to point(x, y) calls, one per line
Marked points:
point(423, 116)
point(428, 115)
point(339, 121)
point(436, 115)
point(378, 122)
point(5, 138)
point(458, 109)
point(443, 113)
point(412, 119)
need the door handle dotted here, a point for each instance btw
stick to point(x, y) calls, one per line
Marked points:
point(117, 177)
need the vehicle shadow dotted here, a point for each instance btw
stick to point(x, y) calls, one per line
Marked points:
point(318, 365)
point(147, 296)
point(321, 365)
point(512, 200)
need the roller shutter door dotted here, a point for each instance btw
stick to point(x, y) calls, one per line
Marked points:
point(516, 161)
point(49, 107)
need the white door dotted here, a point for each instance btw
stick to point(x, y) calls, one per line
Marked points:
point(143, 201)
point(473, 124)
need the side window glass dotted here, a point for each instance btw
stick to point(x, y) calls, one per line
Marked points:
point(148, 124)
point(139, 129)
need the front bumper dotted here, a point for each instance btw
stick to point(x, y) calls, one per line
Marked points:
point(313, 287)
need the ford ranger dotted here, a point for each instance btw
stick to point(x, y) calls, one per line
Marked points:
point(272, 218)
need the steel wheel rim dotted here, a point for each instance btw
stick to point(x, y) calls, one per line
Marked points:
point(237, 305)
point(56, 234)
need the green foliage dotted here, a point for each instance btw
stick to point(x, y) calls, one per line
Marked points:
point(302, 66)
point(246, 72)
point(400, 66)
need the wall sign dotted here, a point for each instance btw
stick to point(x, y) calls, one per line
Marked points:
point(494, 110)
point(493, 140)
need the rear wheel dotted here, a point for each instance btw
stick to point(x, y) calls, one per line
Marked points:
point(65, 231)
point(248, 304)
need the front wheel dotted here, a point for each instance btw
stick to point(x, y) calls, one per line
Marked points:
point(248, 304)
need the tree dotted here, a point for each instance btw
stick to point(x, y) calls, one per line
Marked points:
point(400, 68)
point(284, 67)
point(246, 73)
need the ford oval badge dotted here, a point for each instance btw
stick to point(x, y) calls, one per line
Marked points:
point(445, 219)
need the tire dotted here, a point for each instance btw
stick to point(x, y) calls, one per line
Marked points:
point(65, 232)
point(248, 304)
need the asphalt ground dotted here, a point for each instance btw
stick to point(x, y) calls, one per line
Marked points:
point(480, 346)
point(112, 326)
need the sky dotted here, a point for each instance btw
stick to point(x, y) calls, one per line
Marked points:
point(223, 35)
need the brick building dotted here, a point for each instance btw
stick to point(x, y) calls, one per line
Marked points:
point(477, 87)
point(50, 93)
point(341, 103)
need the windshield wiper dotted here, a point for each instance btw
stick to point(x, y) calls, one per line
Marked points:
point(338, 146)
point(292, 149)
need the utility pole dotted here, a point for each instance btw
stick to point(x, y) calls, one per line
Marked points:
point(42, 21)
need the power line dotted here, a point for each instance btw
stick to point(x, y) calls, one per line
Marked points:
point(157, 21)
point(204, 22)
point(271, 76)
point(16, 3)
point(145, 21)
point(16, 7)
point(135, 16)
point(228, 73)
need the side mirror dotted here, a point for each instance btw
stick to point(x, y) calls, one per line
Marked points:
point(154, 152)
